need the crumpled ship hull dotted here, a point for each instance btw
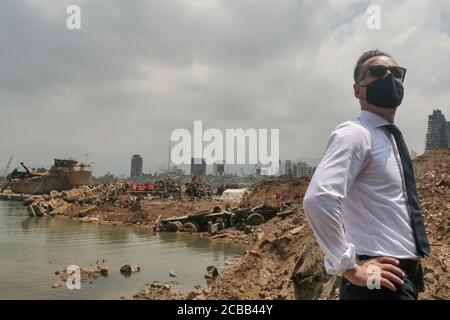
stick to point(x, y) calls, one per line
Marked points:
point(45, 184)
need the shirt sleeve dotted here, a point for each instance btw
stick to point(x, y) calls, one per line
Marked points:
point(347, 153)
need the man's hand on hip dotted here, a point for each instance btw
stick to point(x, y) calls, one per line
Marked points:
point(390, 273)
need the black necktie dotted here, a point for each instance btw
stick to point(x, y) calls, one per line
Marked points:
point(413, 200)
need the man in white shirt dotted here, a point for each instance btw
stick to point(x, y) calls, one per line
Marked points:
point(362, 202)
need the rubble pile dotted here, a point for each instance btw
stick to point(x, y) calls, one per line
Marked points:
point(118, 206)
point(81, 200)
point(116, 201)
point(282, 262)
point(127, 269)
point(86, 274)
point(166, 188)
point(97, 195)
point(432, 172)
point(158, 291)
point(272, 192)
point(220, 224)
point(197, 189)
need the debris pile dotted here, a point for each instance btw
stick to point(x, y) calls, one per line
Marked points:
point(273, 192)
point(127, 269)
point(283, 262)
point(433, 185)
point(158, 291)
point(88, 274)
point(212, 273)
point(168, 188)
point(432, 171)
point(197, 189)
point(81, 200)
point(216, 221)
point(98, 195)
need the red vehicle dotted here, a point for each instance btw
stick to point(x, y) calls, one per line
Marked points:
point(141, 187)
point(133, 186)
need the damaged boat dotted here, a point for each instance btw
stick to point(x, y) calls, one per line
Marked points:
point(64, 174)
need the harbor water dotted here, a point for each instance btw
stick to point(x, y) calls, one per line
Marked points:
point(32, 249)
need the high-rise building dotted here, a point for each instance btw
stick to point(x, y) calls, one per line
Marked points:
point(302, 169)
point(448, 132)
point(438, 132)
point(288, 168)
point(136, 166)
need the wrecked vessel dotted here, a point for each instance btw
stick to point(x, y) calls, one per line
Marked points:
point(63, 175)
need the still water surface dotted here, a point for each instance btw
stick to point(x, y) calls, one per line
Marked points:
point(32, 249)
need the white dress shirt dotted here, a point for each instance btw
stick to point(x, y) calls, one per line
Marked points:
point(356, 202)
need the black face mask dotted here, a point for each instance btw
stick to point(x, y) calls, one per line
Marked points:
point(385, 92)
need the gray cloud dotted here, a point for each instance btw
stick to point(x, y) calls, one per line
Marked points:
point(139, 69)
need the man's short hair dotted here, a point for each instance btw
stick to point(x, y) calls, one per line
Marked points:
point(364, 57)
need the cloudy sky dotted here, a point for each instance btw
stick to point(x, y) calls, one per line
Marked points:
point(139, 69)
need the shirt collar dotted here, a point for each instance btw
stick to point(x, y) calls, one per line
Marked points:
point(372, 119)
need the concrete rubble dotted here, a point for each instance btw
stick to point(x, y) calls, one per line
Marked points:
point(128, 269)
point(86, 274)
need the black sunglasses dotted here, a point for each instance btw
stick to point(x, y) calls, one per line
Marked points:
point(380, 71)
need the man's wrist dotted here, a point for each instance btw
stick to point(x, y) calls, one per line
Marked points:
point(349, 272)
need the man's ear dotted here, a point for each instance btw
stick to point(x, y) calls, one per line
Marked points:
point(357, 90)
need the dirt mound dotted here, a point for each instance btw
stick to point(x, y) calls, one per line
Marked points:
point(284, 249)
point(151, 210)
point(432, 171)
point(273, 193)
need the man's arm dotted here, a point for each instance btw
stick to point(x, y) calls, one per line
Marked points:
point(348, 152)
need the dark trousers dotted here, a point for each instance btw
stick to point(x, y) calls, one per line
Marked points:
point(413, 283)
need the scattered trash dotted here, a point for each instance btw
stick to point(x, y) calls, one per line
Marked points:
point(129, 269)
point(173, 274)
point(212, 273)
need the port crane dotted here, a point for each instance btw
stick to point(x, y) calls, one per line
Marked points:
point(5, 171)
